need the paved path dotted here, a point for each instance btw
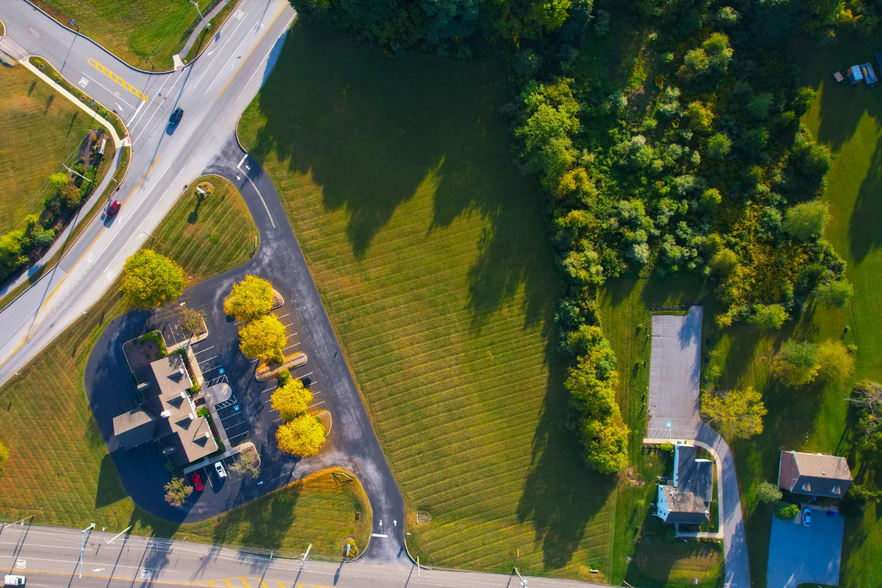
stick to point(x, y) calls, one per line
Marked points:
point(674, 390)
point(52, 554)
point(353, 445)
point(201, 25)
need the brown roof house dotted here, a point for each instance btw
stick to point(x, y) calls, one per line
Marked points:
point(687, 499)
point(814, 474)
point(166, 415)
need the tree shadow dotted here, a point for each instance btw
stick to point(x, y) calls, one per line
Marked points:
point(266, 526)
point(863, 226)
point(561, 496)
point(373, 132)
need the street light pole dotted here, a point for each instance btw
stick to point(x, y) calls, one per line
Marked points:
point(305, 555)
point(83, 547)
point(196, 4)
point(521, 578)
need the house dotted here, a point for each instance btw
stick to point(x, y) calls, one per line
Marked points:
point(814, 474)
point(686, 500)
point(167, 415)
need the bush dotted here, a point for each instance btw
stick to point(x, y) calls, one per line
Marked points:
point(768, 493)
point(667, 448)
point(203, 412)
point(192, 321)
point(44, 238)
point(195, 388)
point(176, 491)
point(785, 512)
point(284, 377)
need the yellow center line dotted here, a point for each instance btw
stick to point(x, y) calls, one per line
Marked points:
point(282, 7)
point(94, 63)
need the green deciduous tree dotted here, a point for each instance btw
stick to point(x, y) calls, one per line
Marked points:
point(700, 117)
point(59, 180)
point(249, 299)
point(738, 413)
point(176, 491)
point(718, 51)
point(768, 492)
point(724, 261)
point(291, 399)
point(834, 293)
point(807, 220)
point(718, 146)
point(796, 363)
point(303, 436)
point(151, 280)
point(263, 338)
point(758, 107)
point(768, 316)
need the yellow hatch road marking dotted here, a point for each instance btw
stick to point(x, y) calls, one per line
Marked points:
point(117, 79)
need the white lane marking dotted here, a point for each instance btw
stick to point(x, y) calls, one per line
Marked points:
point(120, 107)
point(265, 207)
point(204, 350)
point(257, 69)
point(244, 157)
point(209, 359)
point(224, 42)
point(233, 58)
point(114, 92)
point(159, 102)
point(381, 535)
point(154, 99)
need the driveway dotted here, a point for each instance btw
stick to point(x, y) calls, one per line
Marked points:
point(674, 392)
point(352, 444)
point(799, 555)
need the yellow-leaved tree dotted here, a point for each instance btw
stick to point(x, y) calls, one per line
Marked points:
point(303, 436)
point(738, 413)
point(291, 399)
point(249, 299)
point(263, 338)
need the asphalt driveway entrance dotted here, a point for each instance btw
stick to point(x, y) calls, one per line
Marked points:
point(675, 375)
point(801, 555)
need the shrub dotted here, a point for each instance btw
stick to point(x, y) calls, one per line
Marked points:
point(807, 220)
point(203, 412)
point(785, 512)
point(195, 388)
point(192, 321)
point(44, 238)
point(768, 492)
point(667, 448)
point(803, 100)
point(796, 363)
point(284, 377)
point(70, 196)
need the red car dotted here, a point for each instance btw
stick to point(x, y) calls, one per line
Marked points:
point(113, 208)
point(197, 482)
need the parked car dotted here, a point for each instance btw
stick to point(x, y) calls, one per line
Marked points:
point(807, 517)
point(14, 581)
point(175, 117)
point(113, 208)
point(197, 482)
point(219, 468)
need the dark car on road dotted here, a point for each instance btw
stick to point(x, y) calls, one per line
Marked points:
point(197, 482)
point(175, 117)
point(113, 208)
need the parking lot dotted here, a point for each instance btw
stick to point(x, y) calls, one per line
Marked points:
point(800, 554)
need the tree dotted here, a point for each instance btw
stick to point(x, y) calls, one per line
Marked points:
point(249, 299)
point(192, 321)
point(803, 100)
point(718, 51)
point(738, 413)
point(768, 492)
point(151, 279)
point(866, 396)
point(700, 117)
point(836, 361)
point(263, 338)
point(59, 180)
point(718, 146)
point(711, 198)
point(724, 261)
point(176, 491)
point(834, 293)
point(4, 455)
point(768, 316)
point(758, 107)
point(695, 62)
point(248, 463)
point(291, 399)
point(71, 197)
point(796, 363)
point(303, 436)
point(807, 220)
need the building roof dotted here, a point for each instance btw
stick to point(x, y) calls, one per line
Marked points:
point(134, 428)
point(185, 437)
point(685, 456)
point(699, 481)
point(684, 507)
point(814, 474)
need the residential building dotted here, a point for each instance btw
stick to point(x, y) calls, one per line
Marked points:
point(814, 474)
point(686, 500)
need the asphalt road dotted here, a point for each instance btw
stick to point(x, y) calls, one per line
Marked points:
point(213, 91)
point(50, 557)
point(352, 444)
point(674, 389)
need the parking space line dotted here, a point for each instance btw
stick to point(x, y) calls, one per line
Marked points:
point(317, 404)
point(268, 389)
point(235, 414)
point(212, 368)
point(233, 426)
point(283, 316)
point(239, 435)
point(244, 582)
point(290, 346)
point(277, 420)
point(204, 350)
point(209, 359)
point(304, 376)
point(288, 325)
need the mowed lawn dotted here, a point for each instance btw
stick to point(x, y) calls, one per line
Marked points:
point(41, 130)
point(143, 33)
point(430, 251)
point(58, 466)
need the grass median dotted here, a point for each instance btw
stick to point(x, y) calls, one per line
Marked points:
point(59, 468)
point(430, 252)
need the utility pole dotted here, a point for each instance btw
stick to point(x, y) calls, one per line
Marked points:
point(196, 4)
point(418, 567)
point(83, 547)
point(305, 555)
point(521, 578)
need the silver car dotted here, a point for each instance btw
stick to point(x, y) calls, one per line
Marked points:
point(219, 468)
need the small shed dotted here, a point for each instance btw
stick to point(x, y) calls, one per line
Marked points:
point(869, 73)
point(854, 74)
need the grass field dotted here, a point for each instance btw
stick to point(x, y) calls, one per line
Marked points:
point(430, 252)
point(41, 130)
point(140, 32)
point(59, 467)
